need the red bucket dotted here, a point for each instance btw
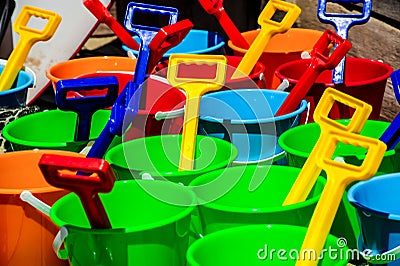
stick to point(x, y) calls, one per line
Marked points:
point(365, 79)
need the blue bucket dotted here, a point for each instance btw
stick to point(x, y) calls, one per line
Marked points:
point(378, 208)
point(196, 42)
point(245, 117)
point(16, 97)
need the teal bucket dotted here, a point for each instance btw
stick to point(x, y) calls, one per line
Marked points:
point(377, 202)
point(16, 97)
point(259, 245)
point(145, 230)
point(245, 117)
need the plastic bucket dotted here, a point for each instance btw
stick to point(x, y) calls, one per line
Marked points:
point(26, 234)
point(159, 157)
point(52, 130)
point(273, 244)
point(299, 142)
point(121, 67)
point(145, 230)
point(246, 118)
point(255, 78)
point(226, 197)
point(196, 42)
point(365, 79)
point(282, 48)
point(377, 203)
point(16, 97)
point(160, 97)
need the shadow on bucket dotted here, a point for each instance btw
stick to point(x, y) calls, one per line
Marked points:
point(365, 79)
point(25, 234)
point(145, 229)
point(246, 118)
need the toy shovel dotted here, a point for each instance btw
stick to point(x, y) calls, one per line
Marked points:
point(103, 15)
point(195, 86)
point(391, 136)
point(216, 8)
point(310, 171)
point(269, 27)
point(339, 176)
point(60, 171)
point(28, 37)
point(86, 106)
point(320, 61)
point(146, 34)
point(342, 24)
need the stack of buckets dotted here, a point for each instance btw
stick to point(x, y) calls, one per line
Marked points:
point(228, 209)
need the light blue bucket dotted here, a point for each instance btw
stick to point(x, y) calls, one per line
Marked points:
point(16, 97)
point(378, 208)
point(245, 117)
point(196, 42)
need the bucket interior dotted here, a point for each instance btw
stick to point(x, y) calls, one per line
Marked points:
point(51, 128)
point(160, 154)
point(229, 189)
point(300, 141)
point(252, 244)
point(131, 205)
point(358, 71)
point(378, 194)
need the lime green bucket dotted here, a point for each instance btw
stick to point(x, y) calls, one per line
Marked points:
point(158, 156)
point(298, 143)
point(252, 245)
point(145, 230)
point(53, 130)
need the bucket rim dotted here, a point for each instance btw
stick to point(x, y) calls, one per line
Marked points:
point(186, 211)
point(36, 190)
point(295, 51)
point(266, 92)
point(294, 130)
point(264, 210)
point(168, 174)
point(381, 78)
point(245, 228)
point(41, 144)
point(25, 86)
point(359, 185)
point(195, 31)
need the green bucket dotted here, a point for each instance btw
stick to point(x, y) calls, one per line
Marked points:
point(159, 157)
point(231, 197)
point(252, 245)
point(145, 230)
point(53, 130)
point(298, 143)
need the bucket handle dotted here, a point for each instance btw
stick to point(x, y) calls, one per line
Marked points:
point(58, 241)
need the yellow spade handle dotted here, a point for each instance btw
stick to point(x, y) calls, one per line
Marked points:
point(321, 223)
point(28, 37)
point(189, 132)
point(308, 175)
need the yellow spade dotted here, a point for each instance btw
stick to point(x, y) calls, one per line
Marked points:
point(310, 171)
point(195, 85)
point(339, 176)
point(269, 27)
point(28, 37)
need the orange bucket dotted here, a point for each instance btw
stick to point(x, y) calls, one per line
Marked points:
point(121, 67)
point(26, 235)
point(282, 48)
